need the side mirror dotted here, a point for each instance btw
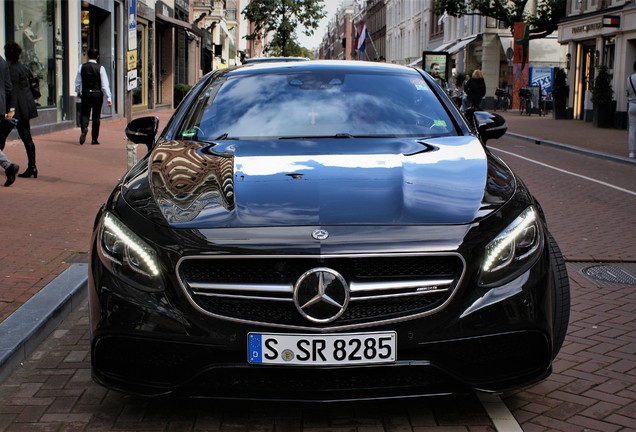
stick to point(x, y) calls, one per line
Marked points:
point(490, 125)
point(143, 130)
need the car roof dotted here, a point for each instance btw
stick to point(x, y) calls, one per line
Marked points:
point(273, 59)
point(322, 65)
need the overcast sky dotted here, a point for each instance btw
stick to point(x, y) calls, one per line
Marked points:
point(331, 7)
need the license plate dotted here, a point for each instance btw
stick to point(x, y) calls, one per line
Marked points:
point(332, 349)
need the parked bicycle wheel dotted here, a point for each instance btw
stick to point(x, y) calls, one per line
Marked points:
point(525, 105)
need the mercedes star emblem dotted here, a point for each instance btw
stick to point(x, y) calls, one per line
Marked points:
point(320, 234)
point(321, 295)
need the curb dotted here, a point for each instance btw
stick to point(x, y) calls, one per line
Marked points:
point(32, 323)
point(594, 153)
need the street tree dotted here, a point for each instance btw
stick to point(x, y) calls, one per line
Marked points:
point(541, 22)
point(282, 18)
point(293, 48)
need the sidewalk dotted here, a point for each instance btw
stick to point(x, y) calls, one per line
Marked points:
point(46, 223)
point(576, 135)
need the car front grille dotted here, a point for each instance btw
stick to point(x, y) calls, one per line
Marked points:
point(259, 289)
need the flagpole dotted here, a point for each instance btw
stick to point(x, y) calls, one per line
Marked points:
point(372, 44)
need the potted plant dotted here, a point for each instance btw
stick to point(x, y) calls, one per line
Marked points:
point(180, 90)
point(602, 93)
point(560, 93)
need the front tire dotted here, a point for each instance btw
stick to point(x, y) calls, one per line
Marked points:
point(560, 296)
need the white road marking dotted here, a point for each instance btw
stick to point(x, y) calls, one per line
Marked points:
point(567, 172)
point(501, 417)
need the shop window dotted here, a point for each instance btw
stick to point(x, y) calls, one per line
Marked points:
point(609, 53)
point(32, 24)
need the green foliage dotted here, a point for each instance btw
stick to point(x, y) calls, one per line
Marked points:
point(602, 91)
point(185, 88)
point(293, 49)
point(543, 21)
point(282, 18)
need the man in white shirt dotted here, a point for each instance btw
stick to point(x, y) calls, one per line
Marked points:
point(91, 85)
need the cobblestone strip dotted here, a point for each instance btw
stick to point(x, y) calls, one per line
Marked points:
point(52, 390)
point(593, 387)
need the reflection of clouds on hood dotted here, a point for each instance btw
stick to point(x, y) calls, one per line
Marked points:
point(464, 149)
point(264, 165)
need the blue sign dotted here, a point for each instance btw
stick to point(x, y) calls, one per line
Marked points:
point(543, 77)
point(132, 14)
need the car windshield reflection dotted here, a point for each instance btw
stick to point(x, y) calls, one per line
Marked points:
point(315, 105)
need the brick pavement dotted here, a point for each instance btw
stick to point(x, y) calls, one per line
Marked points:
point(593, 387)
point(46, 222)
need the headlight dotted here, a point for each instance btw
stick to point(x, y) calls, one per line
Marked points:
point(129, 256)
point(513, 251)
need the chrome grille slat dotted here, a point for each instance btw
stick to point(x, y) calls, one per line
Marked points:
point(388, 286)
point(235, 296)
point(410, 294)
point(259, 289)
point(243, 287)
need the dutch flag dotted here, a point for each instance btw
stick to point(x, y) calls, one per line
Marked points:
point(361, 38)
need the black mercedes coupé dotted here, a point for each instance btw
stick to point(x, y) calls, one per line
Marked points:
point(322, 230)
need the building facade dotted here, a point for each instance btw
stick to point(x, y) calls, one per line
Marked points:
point(169, 42)
point(599, 33)
point(402, 30)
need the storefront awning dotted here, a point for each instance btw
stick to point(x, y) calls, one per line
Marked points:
point(461, 44)
point(174, 21)
point(197, 31)
point(226, 31)
point(444, 47)
point(205, 35)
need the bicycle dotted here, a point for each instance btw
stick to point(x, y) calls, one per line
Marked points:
point(525, 103)
point(503, 100)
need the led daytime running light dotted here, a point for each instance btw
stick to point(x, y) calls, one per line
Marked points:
point(114, 225)
point(526, 219)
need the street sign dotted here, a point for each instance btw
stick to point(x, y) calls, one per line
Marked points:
point(132, 25)
point(132, 60)
point(132, 79)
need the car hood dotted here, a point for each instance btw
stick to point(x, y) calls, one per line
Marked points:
point(318, 182)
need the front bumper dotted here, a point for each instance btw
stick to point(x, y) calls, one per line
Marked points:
point(155, 343)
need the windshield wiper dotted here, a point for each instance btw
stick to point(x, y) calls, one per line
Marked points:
point(338, 135)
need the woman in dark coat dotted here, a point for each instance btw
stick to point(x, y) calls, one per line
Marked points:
point(23, 102)
point(476, 89)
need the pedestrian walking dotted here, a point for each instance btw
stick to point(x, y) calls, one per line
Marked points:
point(91, 85)
point(631, 99)
point(10, 168)
point(24, 103)
point(476, 89)
point(465, 101)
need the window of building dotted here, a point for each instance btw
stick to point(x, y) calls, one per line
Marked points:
point(36, 26)
point(437, 25)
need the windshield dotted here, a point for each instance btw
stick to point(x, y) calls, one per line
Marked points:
point(312, 104)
